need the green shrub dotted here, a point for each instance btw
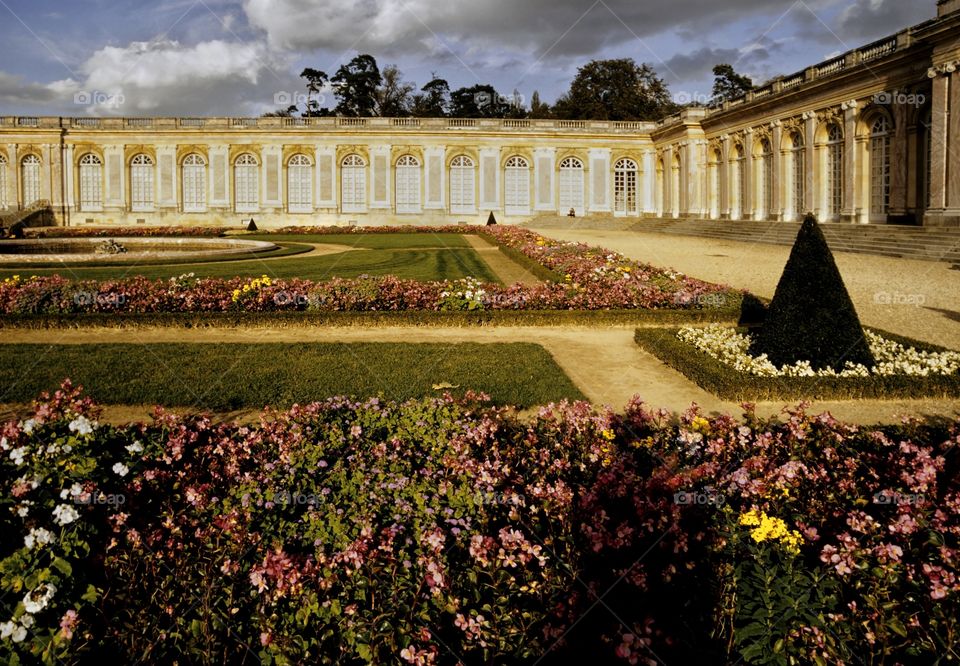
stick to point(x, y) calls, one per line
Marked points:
point(811, 317)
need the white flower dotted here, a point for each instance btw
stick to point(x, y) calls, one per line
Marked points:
point(121, 469)
point(136, 447)
point(24, 509)
point(3, 443)
point(27, 621)
point(18, 454)
point(6, 628)
point(65, 514)
point(37, 599)
point(28, 425)
point(38, 536)
point(733, 349)
point(81, 425)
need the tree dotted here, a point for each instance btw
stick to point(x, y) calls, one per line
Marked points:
point(355, 85)
point(316, 81)
point(615, 90)
point(479, 101)
point(433, 99)
point(538, 109)
point(393, 94)
point(811, 317)
point(727, 84)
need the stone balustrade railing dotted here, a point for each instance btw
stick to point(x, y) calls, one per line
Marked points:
point(273, 123)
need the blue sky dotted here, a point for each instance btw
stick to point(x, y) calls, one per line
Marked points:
point(243, 57)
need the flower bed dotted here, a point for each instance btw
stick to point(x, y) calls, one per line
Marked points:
point(126, 232)
point(441, 532)
point(717, 358)
point(593, 280)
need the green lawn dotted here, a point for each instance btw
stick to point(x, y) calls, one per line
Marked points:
point(414, 256)
point(230, 376)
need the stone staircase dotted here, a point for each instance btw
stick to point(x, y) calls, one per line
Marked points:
point(923, 243)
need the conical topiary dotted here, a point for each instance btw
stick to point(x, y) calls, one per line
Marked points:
point(812, 317)
point(252, 226)
point(491, 220)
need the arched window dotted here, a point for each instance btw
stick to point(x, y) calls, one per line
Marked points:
point(141, 183)
point(738, 183)
point(300, 184)
point(517, 190)
point(625, 187)
point(765, 182)
point(353, 184)
point(30, 177)
point(3, 181)
point(194, 184)
point(408, 184)
point(571, 186)
point(246, 183)
point(91, 183)
point(834, 171)
point(798, 163)
point(880, 167)
point(462, 185)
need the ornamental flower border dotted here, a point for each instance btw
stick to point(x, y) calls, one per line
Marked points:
point(449, 532)
point(723, 379)
point(586, 279)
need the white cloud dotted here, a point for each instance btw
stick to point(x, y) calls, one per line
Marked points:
point(167, 77)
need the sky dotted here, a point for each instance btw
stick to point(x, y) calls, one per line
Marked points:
point(243, 57)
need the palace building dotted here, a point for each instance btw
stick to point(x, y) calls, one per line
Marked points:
point(871, 136)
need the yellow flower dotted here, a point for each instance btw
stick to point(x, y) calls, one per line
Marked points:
point(768, 528)
point(608, 435)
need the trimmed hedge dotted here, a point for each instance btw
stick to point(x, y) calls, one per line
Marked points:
point(729, 384)
point(294, 319)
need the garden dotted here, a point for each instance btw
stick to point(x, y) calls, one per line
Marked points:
point(464, 503)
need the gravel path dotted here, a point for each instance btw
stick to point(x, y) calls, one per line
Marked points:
point(509, 271)
point(919, 299)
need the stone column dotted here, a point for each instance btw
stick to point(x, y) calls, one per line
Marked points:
point(809, 162)
point(724, 166)
point(850, 209)
point(748, 205)
point(953, 144)
point(776, 154)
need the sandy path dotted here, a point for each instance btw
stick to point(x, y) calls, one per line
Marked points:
point(604, 362)
point(924, 295)
point(509, 271)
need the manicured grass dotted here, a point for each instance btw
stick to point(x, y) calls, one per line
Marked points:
point(230, 376)
point(413, 256)
point(729, 384)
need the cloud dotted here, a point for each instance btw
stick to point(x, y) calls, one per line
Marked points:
point(873, 19)
point(166, 77)
point(531, 26)
point(18, 93)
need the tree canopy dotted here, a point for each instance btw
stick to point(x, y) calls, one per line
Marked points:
point(601, 90)
point(615, 90)
point(356, 86)
point(727, 84)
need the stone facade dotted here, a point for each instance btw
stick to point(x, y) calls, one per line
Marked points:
point(871, 136)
